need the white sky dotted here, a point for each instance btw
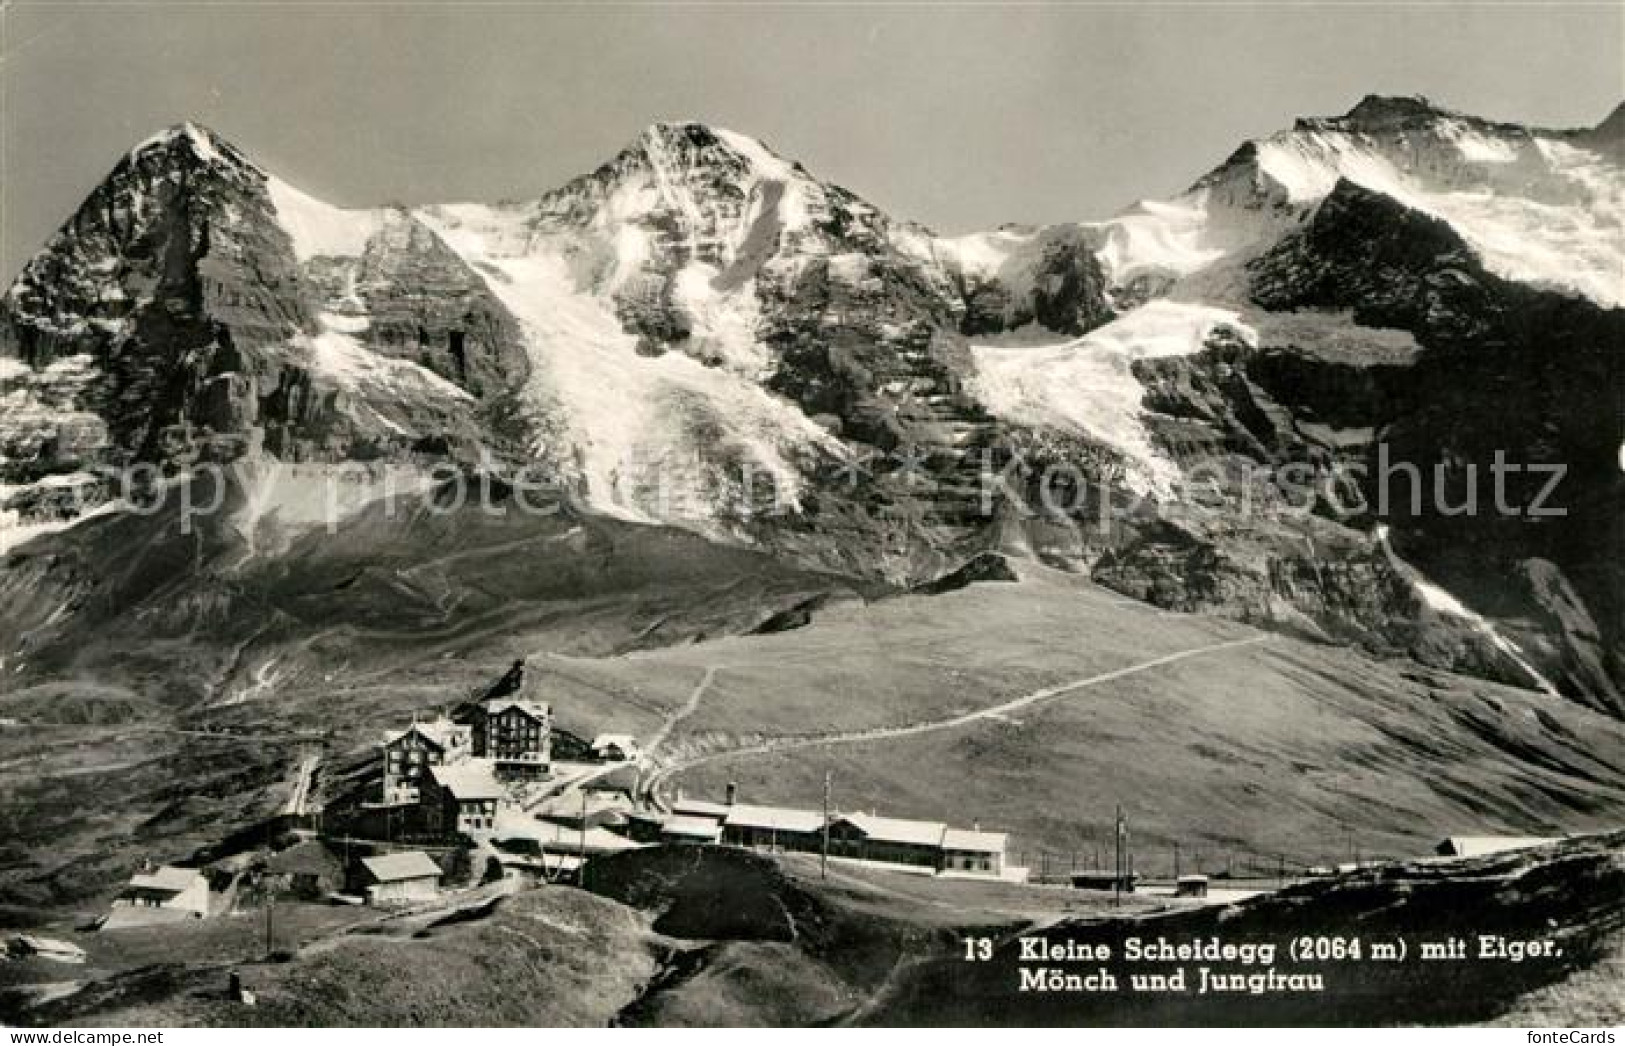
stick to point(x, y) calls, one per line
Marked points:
point(962, 116)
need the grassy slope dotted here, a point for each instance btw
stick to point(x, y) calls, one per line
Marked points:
point(1282, 747)
point(548, 958)
point(1279, 747)
point(1593, 997)
point(122, 634)
point(80, 806)
point(709, 936)
point(1569, 895)
point(776, 945)
point(910, 658)
point(768, 943)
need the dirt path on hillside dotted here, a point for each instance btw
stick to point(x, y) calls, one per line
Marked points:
point(688, 708)
point(478, 551)
point(261, 736)
point(656, 781)
point(299, 797)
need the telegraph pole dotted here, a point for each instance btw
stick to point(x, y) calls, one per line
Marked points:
point(581, 872)
point(823, 857)
point(270, 917)
point(1117, 859)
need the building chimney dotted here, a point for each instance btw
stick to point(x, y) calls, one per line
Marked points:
point(733, 793)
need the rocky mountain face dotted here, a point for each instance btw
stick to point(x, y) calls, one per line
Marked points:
point(1192, 401)
point(170, 322)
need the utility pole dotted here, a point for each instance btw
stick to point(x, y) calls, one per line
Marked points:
point(823, 857)
point(1117, 859)
point(581, 873)
point(270, 916)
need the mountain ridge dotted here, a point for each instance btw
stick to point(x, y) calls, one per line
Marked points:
point(700, 332)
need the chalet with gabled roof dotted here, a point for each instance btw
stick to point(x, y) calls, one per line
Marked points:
point(515, 734)
point(162, 894)
point(410, 752)
point(462, 797)
point(308, 869)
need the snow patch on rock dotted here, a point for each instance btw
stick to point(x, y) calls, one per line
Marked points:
point(1536, 208)
point(985, 254)
point(1437, 598)
point(319, 229)
point(1087, 386)
point(335, 354)
point(296, 496)
point(634, 421)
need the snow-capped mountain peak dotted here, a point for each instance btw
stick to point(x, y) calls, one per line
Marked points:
point(678, 146)
point(636, 289)
point(1545, 207)
point(1379, 112)
point(708, 191)
point(198, 140)
point(1608, 137)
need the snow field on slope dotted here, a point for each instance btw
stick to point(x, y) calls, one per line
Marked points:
point(1572, 239)
point(1549, 213)
point(629, 416)
point(319, 229)
point(1183, 237)
point(1437, 598)
point(1086, 385)
point(337, 354)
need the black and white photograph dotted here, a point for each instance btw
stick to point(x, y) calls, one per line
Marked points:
point(530, 515)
